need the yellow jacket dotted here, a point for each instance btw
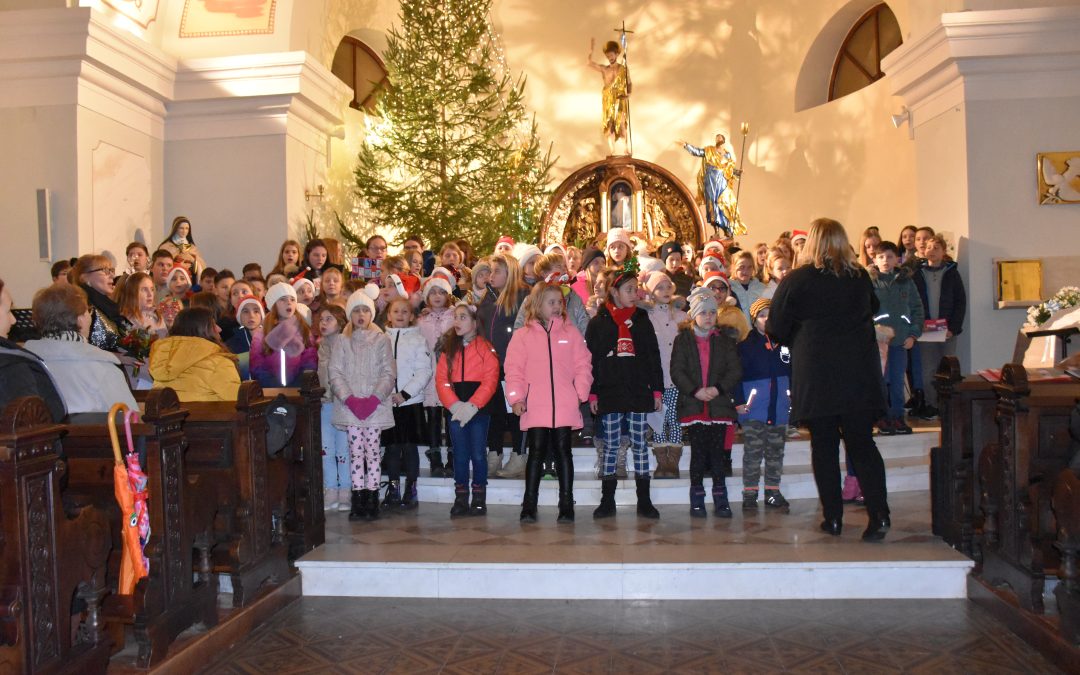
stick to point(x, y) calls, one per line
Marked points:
point(197, 369)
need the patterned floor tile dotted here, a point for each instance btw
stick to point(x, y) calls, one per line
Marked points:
point(355, 635)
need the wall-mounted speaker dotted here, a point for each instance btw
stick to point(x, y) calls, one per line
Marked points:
point(44, 223)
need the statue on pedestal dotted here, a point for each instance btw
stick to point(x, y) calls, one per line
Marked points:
point(616, 95)
point(716, 177)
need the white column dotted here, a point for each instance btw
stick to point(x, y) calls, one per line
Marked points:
point(82, 115)
point(245, 137)
point(988, 90)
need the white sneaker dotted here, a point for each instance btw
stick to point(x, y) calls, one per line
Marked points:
point(515, 467)
point(344, 500)
point(330, 499)
point(494, 462)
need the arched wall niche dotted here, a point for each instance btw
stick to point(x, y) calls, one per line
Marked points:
point(812, 84)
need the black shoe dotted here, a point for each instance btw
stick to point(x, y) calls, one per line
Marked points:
point(372, 511)
point(697, 501)
point(358, 506)
point(927, 412)
point(876, 528)
point(886, 427)
point(606, 509)
point(566, 508)
point(721, 506)
point(528, 513)
point(479, 500)
point(901, 428)
point(408, 495)
point(832, 526)
point(749, 500)
point(775, 500)
point(448, 472)
point(435, 463)
point(645, 507)
point(392, 500)
point(461, 502)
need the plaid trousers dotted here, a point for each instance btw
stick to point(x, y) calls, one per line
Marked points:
point(611, 437)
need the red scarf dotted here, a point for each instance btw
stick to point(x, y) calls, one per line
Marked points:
point(625, 344)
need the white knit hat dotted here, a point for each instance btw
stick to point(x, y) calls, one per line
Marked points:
point(551, 248)
point(437, 282)
point(277, 292)
point(360, 298)
point(526, 252)
point(618, 234)
point(249, 300)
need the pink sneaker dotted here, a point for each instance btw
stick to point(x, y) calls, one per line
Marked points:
point(851, 490)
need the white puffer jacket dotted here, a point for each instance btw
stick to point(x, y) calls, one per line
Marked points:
point(413, 360)
point(362, 365)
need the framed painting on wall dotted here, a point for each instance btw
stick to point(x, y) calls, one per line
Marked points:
point(1059, 177)
point(213, 18)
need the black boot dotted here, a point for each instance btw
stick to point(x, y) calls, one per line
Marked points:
point(449, 470)
point(392, 500)
point(645, 507)
point(357, 511)
point(372, 511)
point(479, 500)
point(606, 509)
point(721, 507)
point(533, 474)
point(697, 501)
point(408, 495)
point(564, 469)
point(435, 463)
point(461, 501)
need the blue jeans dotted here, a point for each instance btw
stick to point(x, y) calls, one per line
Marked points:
point(895, 369)
point(335, 453)
point(470, 445)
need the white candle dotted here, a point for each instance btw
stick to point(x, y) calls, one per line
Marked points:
point(284, 380)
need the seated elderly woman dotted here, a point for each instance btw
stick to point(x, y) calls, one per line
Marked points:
point(95, 275)
point(90, 380)
point(23, 373)
point(193, 361)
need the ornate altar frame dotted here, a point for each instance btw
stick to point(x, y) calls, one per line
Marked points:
point(662, 206)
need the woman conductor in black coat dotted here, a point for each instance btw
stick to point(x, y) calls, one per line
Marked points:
point(823, 311)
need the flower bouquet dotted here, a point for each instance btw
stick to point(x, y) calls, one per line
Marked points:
point(136, 343)
point(1066, 298)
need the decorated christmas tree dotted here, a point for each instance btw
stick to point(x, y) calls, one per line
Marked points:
point(453, 153)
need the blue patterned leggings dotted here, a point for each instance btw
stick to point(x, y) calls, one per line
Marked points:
point(672, 432)
point(611, 437)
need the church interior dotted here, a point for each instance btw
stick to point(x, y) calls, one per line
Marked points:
point(247, 116)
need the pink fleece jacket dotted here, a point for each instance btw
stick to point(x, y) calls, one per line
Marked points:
point(551, 372)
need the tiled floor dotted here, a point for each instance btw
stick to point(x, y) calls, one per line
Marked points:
point(347, 635)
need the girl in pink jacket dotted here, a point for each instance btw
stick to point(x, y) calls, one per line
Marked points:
point(548, 375)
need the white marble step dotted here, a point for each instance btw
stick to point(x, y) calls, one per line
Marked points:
point(901, 475)
point(907, 468)
point(796, 452)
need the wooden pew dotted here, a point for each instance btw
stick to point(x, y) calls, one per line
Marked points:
point(50, 563)
point(305, 520)
point(227, 454)
point(1015, 478)
point(181, 508)
point(1065, 503)
point(968, 407)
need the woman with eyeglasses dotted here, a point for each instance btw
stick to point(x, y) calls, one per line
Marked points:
point(95, 276)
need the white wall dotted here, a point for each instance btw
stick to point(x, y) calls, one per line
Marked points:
point(1006, 219)
point(41, 155)
point(233, 190)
